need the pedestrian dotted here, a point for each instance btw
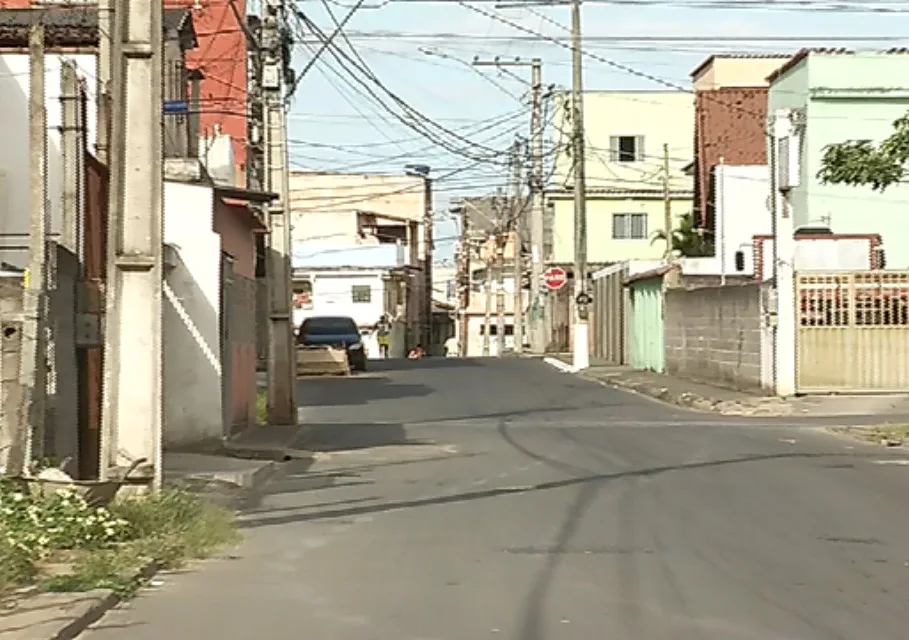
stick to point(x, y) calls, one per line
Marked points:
point(452, 347)
point(383, 335)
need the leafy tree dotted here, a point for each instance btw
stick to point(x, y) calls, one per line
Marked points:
point(863, 163)
point(687, 238)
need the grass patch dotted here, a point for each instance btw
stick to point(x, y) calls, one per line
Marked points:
point(261, 406)
point(61, 544)
point(880, 434)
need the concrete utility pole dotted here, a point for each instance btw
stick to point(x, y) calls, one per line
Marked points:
point(282, 378)
point(580, 350)
point(464, 284)
point(70, 98)
point(517, 261)
point(491, 243)
point(667, 203)
point(501, 237)
point(103, 71)
point(535, 316)
point(133, 392)
point(28, 437)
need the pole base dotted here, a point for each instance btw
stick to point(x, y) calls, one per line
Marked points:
point(580, 349)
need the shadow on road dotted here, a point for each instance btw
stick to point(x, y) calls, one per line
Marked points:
point(577, 481)
point(346, 436)
point(355, 390)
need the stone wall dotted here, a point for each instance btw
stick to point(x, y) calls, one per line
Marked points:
point(713, 334)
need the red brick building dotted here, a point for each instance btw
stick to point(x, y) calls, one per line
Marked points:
point(730, 120)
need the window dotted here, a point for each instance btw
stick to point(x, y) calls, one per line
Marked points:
point(629, 226)
point(626, 148)
point(361, 293)
point(494, 329)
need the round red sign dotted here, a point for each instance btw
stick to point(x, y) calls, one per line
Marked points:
point(555, 278)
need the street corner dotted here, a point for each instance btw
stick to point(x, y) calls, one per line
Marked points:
point(884, 435)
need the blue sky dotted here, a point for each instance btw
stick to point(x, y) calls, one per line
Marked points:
point(334, 127)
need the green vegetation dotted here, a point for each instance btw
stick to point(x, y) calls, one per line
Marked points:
point(687, 239)
point(61, 543)
point(863, 163)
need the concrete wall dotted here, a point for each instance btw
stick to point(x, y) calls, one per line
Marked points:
point(14, 165)
point(735, 71)
point(10, 346)
point(192, 363)
point(714, 334)
point(238, 241)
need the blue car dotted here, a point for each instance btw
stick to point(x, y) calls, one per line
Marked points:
point(334, 331)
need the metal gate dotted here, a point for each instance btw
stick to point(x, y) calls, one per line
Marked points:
point(607, 338)
point(853, 331)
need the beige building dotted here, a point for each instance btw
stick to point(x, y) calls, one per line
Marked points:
point(340, 219)
point(727, 71)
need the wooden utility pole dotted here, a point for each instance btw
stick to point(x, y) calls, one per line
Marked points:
point(667, 203)
point(28, 437)
point(535, 315)
point(281, 366)
point(132, 408)
point(580, 350)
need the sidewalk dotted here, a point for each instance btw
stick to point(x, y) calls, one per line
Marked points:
point(709, 398)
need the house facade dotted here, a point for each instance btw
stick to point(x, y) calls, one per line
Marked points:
point(730, 122)
point(345, 223)
point(624, 152)
point(832, 96)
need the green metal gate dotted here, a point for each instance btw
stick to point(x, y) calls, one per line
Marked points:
point(645, 324)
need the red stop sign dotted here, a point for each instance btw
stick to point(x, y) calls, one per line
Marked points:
point(555, 278)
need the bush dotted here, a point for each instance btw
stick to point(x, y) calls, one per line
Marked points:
point(106, 547)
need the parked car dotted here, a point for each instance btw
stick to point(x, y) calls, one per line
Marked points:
point(334, 331)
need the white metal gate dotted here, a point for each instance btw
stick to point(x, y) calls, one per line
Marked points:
point(853, 331)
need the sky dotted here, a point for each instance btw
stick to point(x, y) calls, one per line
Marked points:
point(421, 52)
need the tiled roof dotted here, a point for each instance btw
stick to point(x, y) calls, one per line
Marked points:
point(736, 56)
point(795, 60)
point(72, 26)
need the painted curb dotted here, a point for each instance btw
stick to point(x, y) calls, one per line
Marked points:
point(564, 367)
point(74, 628)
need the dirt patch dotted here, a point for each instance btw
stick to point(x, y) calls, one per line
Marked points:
point(890, 435)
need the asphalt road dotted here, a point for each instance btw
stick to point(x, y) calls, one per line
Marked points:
point(457, 500)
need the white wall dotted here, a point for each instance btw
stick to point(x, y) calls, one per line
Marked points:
point(332, 296)
point(14, 160)
point(475, 335)
point(816, 254)
point(741, 213)
point(192, 355)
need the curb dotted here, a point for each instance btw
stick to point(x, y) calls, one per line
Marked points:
point(694, 401)
point(74, 628)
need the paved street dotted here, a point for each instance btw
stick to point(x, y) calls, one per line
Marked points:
point(456, 500)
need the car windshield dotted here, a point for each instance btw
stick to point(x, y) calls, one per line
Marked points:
point(328, 326)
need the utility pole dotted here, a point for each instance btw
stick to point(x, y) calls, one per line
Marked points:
point(487, 316)
point(281, 361)
point(133, 391)
point(103, 72)
point(464, 283)
point(667, 203)
point(535, 315)
point(28, 437)
point(70, 134)
point(501, 236)
point(580, 349)
point(517, 262)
